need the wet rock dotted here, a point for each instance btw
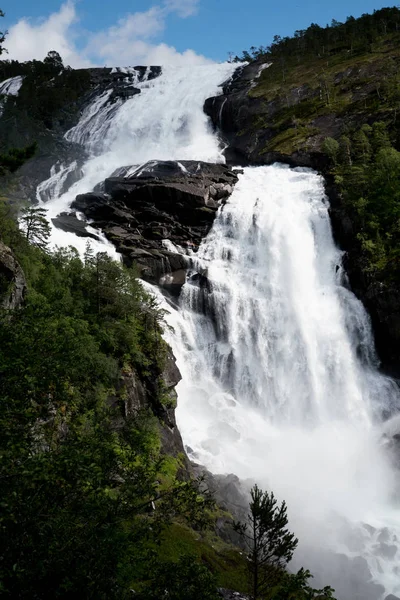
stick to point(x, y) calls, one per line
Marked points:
point(125, 91)
point(141, 207)
point(69, 222)
point(388, 551)
point(173, 282)
point(351, 578)
point(12, 280)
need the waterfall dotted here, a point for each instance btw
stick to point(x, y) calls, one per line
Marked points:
point(280, 381)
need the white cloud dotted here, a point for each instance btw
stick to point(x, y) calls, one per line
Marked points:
point(132, 40)
point(183, 8)
point(27, 39)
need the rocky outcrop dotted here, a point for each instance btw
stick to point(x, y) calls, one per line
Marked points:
point(148, 211)
point(246, 122)
point(382, 301)
point(135, 393)
point(12, 280)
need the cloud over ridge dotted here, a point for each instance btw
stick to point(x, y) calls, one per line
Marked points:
point(134, 39)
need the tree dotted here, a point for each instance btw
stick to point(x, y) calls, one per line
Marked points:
point(36, 226)
point(331, 149)
point(54, 60)
point(270, 544)
point(2, 36)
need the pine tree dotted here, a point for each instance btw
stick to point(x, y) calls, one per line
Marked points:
point(270, 544)
point(35, 226)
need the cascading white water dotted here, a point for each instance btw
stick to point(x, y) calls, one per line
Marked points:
point(280, 381)
point(164, 122)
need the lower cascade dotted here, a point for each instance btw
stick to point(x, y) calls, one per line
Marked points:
point(280, 381)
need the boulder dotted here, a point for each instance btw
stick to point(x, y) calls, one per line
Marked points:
point(69, 222)
point(12, 280)
point(140, 207)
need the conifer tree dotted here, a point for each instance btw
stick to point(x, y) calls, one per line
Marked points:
point(270, 544)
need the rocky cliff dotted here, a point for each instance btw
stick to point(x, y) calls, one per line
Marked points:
point(12, 280)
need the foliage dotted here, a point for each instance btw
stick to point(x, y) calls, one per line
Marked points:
point(331, 148)
point(76, 482)
point(355, 35)
point(12, 159)
point(35, 226)
point(270, 545)
point(48, 91)
point(2, 35)
point(270, 548)
point(367, 173)
point(183, 580)
point(295, 586)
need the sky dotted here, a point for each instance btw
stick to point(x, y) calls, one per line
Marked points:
point(132, 32)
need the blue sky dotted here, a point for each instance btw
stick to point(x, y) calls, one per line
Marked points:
point(176, 31)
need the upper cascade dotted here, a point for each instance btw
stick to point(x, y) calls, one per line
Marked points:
point(164, 122)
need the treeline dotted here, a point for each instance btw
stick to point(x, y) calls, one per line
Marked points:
point(353, 36)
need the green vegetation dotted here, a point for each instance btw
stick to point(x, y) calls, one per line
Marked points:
point(353, 36)
point(366, 167)
point(349, 70)
point(270, 548)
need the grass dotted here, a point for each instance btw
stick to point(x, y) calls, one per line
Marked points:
point(224, 560)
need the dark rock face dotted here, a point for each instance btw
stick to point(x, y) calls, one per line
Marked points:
point(236, 115)
point(163, 200)
point(12, 280)
point(52, 148)
point(140, 393)
point(69, 222)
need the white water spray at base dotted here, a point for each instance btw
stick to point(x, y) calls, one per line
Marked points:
point(281, 385)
